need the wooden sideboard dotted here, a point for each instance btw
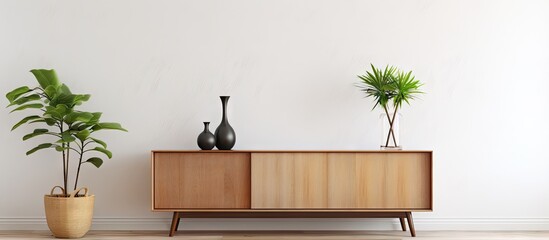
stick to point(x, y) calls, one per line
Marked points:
point(344, 184)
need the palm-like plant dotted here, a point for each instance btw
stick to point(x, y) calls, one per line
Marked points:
point(72, 129)
point(386, 85)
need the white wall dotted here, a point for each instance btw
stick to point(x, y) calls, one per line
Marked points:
point(158, 67)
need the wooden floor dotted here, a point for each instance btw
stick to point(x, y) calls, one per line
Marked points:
point(287, 235)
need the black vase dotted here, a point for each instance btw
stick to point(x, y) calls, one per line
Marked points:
point(225, 137)
point(206, 139)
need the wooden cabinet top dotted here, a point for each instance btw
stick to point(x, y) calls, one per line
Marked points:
point(292, 151)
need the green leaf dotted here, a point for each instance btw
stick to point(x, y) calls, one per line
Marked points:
point(97, 162)
point(379, 84)
point(32, 105)
point(38, 120)
point(46, 77)
point(64, 89)
point(103, 150)
point(104, 144)
point(78, 117)
point(108, 125)
point(26, 99)
point(58, 112)
point(84, 126)
point(51, 91)
point(24, 120)
point(51, 112)
point(60, 149)
point(39, 147)
point(63, 98)
point(80, 98)
point(407, 88)
point(389, 85)
point(50, 121)
point(69, 99)
point(75, 126)
point(36, 132)
point(14, 94)
point(67, 137)
point(83, 135)
point(95, 118)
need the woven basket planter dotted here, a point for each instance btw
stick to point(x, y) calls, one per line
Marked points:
point(69, 217)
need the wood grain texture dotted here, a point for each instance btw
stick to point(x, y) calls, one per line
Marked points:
point(289, 180)
point(310, 180)
point(342, 180)
point(393, 180)
point(166, 188)
point(377, 180)
point(201, 180)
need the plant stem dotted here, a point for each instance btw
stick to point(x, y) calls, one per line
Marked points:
point(64, 173)
point(68, 155)
point(64, 165)
point(390, 127)
point(79, 164)
point(68, 159)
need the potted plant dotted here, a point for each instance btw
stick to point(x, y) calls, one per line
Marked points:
point(68, 214)
point(390, 88)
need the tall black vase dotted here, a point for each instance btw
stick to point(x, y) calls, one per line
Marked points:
point(206, 139)
point(225, 137)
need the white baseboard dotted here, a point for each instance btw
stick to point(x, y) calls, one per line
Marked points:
point(463, 224)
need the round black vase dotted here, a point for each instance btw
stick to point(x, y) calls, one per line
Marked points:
point(225, 137)
point(206, 139)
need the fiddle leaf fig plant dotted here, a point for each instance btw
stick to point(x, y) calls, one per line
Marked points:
point(386, 86)
point(70, 130)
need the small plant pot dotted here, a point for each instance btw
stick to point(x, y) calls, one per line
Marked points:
point(69, 217)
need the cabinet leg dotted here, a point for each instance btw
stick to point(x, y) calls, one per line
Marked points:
point(411, 223)
point(402, 224)
point(175, 223)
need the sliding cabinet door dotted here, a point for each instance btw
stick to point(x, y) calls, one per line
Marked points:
point(289, 180)
point(341, 180)
point(379, 180)
point(201, 180)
